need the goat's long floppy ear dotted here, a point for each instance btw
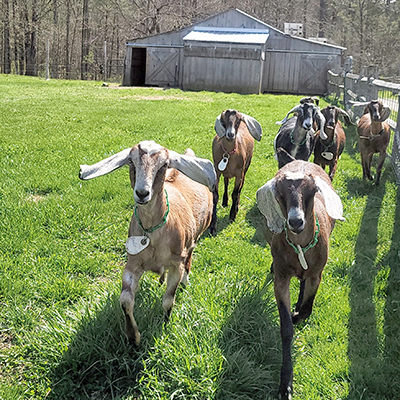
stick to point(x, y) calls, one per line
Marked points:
point(219, 128)
point(269, 206)
point(199, 169)
point(253, 126)
point(293, 110)
point(385, 114)
point(345, 116)
point(333, 204)
point(105, 166)
point(320, 119)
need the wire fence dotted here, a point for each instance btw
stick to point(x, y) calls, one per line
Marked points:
point(112, 72)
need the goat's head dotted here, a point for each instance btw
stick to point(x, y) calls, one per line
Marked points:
point(311, 99)
point(332, 114)
point(227, 125)
point(377, 111)
point(288, 198)
point(148, 162)
point(307, 113)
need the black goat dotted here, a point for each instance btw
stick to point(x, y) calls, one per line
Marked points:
point(296, 135)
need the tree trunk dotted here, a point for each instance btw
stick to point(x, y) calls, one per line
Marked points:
point(54, 47)
point(31, 40)
point(322, 18)
point(85, 40)
point(6, 45)
point(68, 21)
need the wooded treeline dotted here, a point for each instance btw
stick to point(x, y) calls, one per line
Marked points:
point(74, 31)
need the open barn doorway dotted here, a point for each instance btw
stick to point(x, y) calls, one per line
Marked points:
point(138, 66)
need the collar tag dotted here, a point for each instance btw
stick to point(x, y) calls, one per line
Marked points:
point(224, 162)
point(327, 155)
point(302, 259)
point(135, 244)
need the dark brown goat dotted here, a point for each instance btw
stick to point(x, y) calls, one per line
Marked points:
point(301, 207)
point(328, 151)
point(232, 150)
point(373, 137)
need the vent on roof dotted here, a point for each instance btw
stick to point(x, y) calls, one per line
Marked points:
point(294, 29)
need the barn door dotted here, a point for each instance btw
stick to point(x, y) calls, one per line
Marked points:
point(163, 66)
point(313, 73)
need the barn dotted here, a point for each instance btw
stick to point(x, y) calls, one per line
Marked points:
point(231, 52)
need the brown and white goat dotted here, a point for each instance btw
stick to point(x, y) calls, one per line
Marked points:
point(172, 210)
point(327, 151)
point(300, 206)
point(232, 150)
point(373, 137)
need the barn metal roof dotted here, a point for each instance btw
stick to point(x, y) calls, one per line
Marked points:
point(228, 35)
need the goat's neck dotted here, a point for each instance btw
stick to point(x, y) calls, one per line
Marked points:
point(376, 127)
point(305, 237)
point(330, 133)
point(152, 213)
point(299, 134)
point(228, 146)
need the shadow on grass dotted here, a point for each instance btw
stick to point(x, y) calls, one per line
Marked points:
point(258, 221)
point(374, 370)
point(99, 362)
point(250, 342)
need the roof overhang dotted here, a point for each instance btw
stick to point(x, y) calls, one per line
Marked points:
point(228, 35)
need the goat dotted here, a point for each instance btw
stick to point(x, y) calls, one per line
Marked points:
point(300, 206)
point(373, 137)
point(327, 151)
point(296, 135)
point(172, 210)
point(232, 150)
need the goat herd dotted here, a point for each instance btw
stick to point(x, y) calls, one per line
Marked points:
point(176, 200)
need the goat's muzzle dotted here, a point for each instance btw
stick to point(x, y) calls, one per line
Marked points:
point(142, 196)
point(296, 225)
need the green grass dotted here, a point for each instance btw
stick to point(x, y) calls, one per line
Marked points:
point(62, 253)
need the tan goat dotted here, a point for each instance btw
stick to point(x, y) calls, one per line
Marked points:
point(301, 207)
point(172, 210)
point(232, 150)
point(373, 137)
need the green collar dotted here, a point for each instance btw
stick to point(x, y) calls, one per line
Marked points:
point(152, 229)
point(293, 141)
point(310, 245)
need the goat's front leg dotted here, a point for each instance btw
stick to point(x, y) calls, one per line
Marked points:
point(236, 197)
point(282, 295)
point(174, 277)
point(366, 166)
point(308, 290)
point(130, 281)
point(213, 224)
point(225, 197)
point(332, 170)
point(381, 160)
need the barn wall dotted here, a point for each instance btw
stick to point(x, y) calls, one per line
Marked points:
point(222, 68)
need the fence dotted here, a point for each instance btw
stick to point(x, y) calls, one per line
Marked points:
point(354, 90)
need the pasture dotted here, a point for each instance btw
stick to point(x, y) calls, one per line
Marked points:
point(62, 251)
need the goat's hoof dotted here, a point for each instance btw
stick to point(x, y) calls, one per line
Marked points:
point(285, 393)
point(213, 231)
point(133, 338)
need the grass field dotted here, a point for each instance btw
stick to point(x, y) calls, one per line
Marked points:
point(62, 251)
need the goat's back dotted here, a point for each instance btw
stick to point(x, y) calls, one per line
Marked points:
point(191, 201)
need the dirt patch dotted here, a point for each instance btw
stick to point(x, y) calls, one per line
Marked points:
point(5, 341)
point(35, 198)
